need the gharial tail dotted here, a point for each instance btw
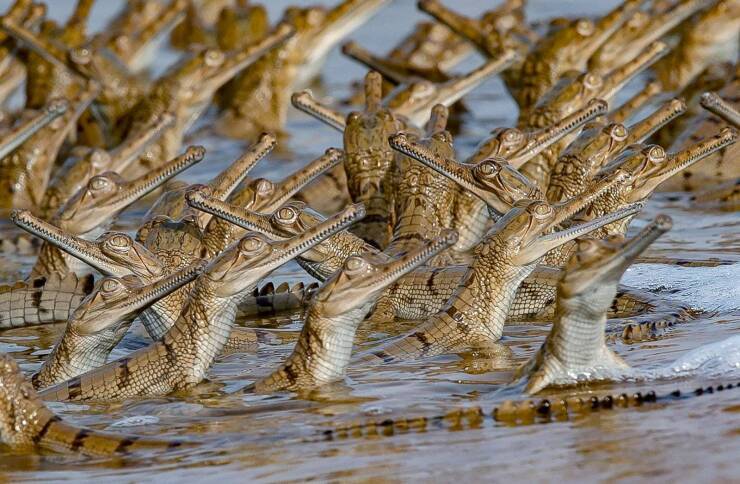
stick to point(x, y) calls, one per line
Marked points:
point(42, 300)
point(512, 412)
point(25, 422)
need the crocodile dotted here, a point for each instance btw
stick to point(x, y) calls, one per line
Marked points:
point(424, 291)
point(518, 412)
point(130, 35)
point(120, 89)
point(503, 28)
point(12, 68)
point(576, 344)
point(427, 202)
point(627, 109)
point(45, 81)
point(476, 312)
point(571, 94)
point(101, 320)
point(103, 197)
point(642, 29)
point(27, 169)
point(649, 166)
point(369, 163)
point(32, 121)
point(26, 423)
point(719, 168)
point(258, 99)
point(517, 146)
point(712, 37)
point(181, 358)
point(185, 92)
point(323, 350)
point(119, 255)
point(597, 144)
point(77, 170)
point(427, 52)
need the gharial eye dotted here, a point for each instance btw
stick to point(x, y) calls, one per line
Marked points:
point(489, 168)
point(214, 58)
point(99, 183)
point(250, 245)
point(111, 285)
point(355, 264)
point(119, 242)
point(264, 186)
point(286, 215)
point(512, 135)
point(80, 56)
point(541, 210)
point(656, 154)
point(585, 27)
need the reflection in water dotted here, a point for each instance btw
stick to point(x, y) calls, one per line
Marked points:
point(277, 437)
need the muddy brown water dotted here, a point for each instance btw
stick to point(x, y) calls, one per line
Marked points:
point(278, 438)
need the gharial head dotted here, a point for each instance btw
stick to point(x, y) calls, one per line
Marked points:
point(255, 256)
point(492, 180)
point(112, 253)
point(518, 235)
point(107, 194)
point(650, 165)
point(196, 79)
point(599, 262)
point(362, 277)
point(108, 311)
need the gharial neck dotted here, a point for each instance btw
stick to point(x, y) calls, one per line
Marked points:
point(202, 330)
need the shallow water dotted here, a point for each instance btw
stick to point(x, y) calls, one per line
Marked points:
point(278, 438)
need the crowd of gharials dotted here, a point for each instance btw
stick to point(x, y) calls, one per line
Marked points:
point(397, 224)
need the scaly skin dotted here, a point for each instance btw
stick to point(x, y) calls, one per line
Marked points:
point(712, 37)
point(368, 164)
point(265, 196)
point(259, 100)
point(45, 81)
point(100, 200)
point(497, 30)
point(623, 113)
point(43, 300)
point(413, 103)
point(642, 29)
point(511, 412)
point(517, 146)
point(323, 350)
point(575, 349)
point(182, 357)
point(719, 168)
point(33, 122)
point(427, 202)
point(570, 95)
point(101, 320)
point(425, 53)
point(26, 423)
point(476, 312)
point(120, 90)
point(597, 145)
point(185, 91)
point(130, 34)
point(26, 171)
point(649, 167)
point(117, 254)
point(566, 48)
point(424, 291)
point(76, 171)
